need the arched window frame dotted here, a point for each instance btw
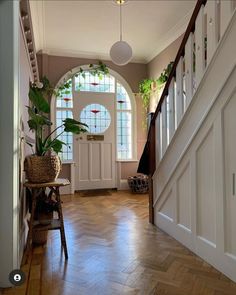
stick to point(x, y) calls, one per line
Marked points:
point(122, 81)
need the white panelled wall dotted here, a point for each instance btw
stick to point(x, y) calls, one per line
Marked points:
point(195, 180)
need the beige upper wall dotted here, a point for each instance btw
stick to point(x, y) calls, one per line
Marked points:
point(54, 67)
point(156, 66)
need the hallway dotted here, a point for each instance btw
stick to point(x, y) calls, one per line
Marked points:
point(114, 250)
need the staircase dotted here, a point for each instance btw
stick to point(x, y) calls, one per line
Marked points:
point(191, 146)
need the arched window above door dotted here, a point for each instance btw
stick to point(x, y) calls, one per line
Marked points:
point(91, 83)
point(123, 106)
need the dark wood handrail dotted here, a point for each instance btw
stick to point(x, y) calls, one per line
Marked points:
point(147, 163)
point(189, 30)
point(150, 144)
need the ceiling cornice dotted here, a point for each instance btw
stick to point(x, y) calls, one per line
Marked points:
point(28, 36)
point(81, 54)
point(38, 18)
point(170, 36)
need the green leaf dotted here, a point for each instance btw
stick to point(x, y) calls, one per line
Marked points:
point(76, 129)
point(73, 121)
point(46, 83)
point(38, 100)
point(46, 121)
point(100, 76)
point(74, 126)
point(56, 145)
point(39, 120)
point(32, 124)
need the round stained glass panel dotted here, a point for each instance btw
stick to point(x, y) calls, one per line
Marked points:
point(97, 117)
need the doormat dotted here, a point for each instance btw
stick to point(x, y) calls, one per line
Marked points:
point(95, 193)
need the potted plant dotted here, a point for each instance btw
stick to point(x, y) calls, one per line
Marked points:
point(145, 89)
point(44, 165)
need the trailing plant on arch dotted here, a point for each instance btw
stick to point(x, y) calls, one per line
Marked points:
point(145, 86)
point(98, 70)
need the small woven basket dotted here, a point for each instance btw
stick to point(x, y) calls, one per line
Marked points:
point(40, 169)
point(138, 184)
point(40, 237)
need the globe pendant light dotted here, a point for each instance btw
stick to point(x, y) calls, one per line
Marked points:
point(121, 52)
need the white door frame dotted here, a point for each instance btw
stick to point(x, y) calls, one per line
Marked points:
point(123, 82)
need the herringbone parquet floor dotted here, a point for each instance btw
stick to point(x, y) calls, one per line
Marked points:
point(113, 250)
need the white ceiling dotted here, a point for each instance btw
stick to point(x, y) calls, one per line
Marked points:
point(89, 28)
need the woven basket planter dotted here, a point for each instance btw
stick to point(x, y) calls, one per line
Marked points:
point(40, 169)
point(138, 184)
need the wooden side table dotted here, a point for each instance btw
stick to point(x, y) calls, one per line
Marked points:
point(35, 190)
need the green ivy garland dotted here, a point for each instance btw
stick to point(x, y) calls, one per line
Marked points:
point(98, 70)
point(145, 85)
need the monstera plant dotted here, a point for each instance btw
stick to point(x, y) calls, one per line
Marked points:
point(39, 167)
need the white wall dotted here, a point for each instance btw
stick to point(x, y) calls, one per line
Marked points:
point(194, 198)
point(9, 188)
point(26, 76)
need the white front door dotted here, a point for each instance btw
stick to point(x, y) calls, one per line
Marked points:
point(95, 151)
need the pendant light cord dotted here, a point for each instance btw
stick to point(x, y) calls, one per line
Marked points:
point(120, 22)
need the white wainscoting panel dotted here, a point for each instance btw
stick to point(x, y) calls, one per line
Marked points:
point(95, 161)
point(183, 199)
point(107, 154)
point(83, 167)
point(206, 197)
point(167, 207)
point(229, 122)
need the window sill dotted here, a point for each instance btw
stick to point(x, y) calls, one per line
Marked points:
point(128, 161)
point(67, 162)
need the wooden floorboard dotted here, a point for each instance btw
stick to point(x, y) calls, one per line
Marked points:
point(114, 250)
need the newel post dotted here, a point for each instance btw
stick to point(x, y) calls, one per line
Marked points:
point(152, 167)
